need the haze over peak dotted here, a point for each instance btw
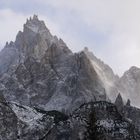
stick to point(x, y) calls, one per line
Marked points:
point(49, 92)
point(38, 47)
point(35, 24)
point(77, 37)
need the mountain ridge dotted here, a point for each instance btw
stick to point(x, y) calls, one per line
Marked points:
point(52, 93)
point(35, 43)
point(44, 67)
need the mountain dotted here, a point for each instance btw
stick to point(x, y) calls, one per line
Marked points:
point(45, 73)
point(129, 85)
point(89, 122)
point(105, 74)
point(49, 92)
point(8, 121)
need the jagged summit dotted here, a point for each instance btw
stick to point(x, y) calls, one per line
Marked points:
point(35, 18)
point(35, 24)
point(105, 74)
point(40, 74)
point(36, 42)
point(33, 41)
point(36, 39)
point(42, 71)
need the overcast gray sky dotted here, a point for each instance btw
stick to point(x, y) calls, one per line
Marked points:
point(109, 28)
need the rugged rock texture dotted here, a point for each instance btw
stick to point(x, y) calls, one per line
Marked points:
point(119, 103)
point(105, 74)
point(129, 85)
point(46, 73)
point(133, 115)
point(95, 120)
point(44, 85)
point(33, 123)
point(99, 121)
point(8, 121)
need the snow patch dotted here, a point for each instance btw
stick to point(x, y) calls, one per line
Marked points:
point(26, 114)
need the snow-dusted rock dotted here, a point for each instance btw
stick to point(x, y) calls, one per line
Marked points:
point(98, 120)
point(47, 73)
point(8, 121)
point(105, 74)
point(129, 85)
point(40, 76)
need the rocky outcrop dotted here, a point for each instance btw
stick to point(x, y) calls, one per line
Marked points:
point(47, 74)
point(52, 93)
point(119, 103)
point(129, 85)
point(98, 120)
point(8, 121)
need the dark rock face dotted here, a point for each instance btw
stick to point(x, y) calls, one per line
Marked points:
point(8, 121)
point(105, 74)
point(133, 115)
point(52, 93)
point(47, 74)
point(119, 103)
point(99, 120)
point(129, 85)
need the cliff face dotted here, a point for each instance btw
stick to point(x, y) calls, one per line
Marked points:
point(8, 121)
point(105, 74)
point(45, 73)
point(49, 92)
point(98, 120)
point(129, 85)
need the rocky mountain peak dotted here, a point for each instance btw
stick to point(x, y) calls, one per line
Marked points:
point(46, 73)
point(105, 73)
point(40, 76)
point(36, 39)
point(133, 71)
point(35, 24)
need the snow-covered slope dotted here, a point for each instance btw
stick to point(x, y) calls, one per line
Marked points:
point(26, 114)
point(99, 121)
point(38, 67)
point(8, 121)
